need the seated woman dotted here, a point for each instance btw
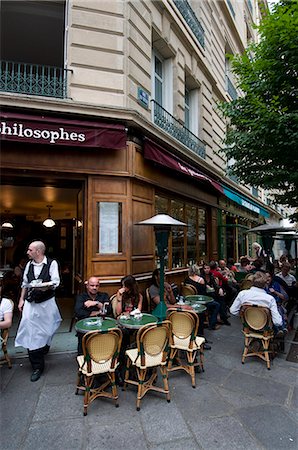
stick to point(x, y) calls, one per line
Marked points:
point(128, 299)
point(6, 304)
point(214, 291)
point(195, 279)
point(128, 296)
point(154, 290)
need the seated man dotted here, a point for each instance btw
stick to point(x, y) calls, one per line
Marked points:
point(289, 283)
point(6, 305)
point(256, 295)
point(89, 304)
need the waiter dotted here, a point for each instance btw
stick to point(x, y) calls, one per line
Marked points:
point(40, 314)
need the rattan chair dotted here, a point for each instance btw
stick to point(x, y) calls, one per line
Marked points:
point(4, 337)
point(149, 301)
point(184, 338)
point(258, 332)
point(188, 289)
point(151, 353)
point(100, 356)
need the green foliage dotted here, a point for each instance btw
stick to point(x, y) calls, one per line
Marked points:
point(262, 135)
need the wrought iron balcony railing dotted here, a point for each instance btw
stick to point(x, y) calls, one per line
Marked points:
point(231, 90)
point(231, 8)
point(33, 79)
point(191, 20)
point(172, 126)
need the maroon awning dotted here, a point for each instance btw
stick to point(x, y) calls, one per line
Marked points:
point(156, 153)
point(44, 129)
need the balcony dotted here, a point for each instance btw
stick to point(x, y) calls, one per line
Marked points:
point(172, 126)
point(33, 79)
point(231, 90)
point(191, 20)
point(231, 8)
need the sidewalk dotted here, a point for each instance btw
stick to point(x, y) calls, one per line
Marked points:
point(234, 406)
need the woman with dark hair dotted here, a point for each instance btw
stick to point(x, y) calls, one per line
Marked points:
point(128, 296)
point(169, 297)
point(128, 299)
point(6, 303)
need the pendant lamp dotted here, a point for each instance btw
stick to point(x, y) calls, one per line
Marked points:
point(49, 222)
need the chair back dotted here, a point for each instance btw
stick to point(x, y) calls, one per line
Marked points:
point(149, 301)
point(102, 346)
point(246, 282)
point(188, 289)
point(153, 340)
point(184, 325)
point(256, 318)
point(113, 302)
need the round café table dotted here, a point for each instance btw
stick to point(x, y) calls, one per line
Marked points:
point(196, 307)
point(131, 323)
point(202, 299)
point(95, 324)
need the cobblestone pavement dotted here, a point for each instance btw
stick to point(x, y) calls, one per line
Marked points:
point(234, 406)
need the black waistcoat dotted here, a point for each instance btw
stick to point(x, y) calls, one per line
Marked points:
point(35, 295)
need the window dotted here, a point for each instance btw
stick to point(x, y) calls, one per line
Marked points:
point(162, 79)
point(109, 227)
point(187, 245)
point(191, 110)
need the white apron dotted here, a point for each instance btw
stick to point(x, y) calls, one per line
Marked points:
point(38, 324)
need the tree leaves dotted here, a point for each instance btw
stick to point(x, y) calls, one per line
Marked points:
point(262, 135)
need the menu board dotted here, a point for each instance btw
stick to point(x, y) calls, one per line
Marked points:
point(108, 227)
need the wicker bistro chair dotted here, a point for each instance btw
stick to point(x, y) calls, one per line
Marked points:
point(184, 338)
point(3, 342)
point(258, 332)
point(187, 289)
point(151, 353)
point(100, 356)
point(4, 335)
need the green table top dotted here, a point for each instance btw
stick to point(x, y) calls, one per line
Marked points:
point(196, 307)
point(135, 324)
point(95, 324)
point(202, 299)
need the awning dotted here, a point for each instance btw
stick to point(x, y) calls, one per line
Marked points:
point(43, 129)
point(245, 202)
point(156, 153)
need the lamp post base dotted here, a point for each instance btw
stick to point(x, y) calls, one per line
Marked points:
point(160, 311)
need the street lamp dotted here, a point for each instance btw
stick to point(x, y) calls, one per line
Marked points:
point(162, 224)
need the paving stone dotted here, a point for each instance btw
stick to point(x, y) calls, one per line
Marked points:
point(254, 386)
point(214, 373)
point(272, 426)
point(162, 421)
point(184, 444)
point(204, 401)
point(58, 402)
point(115, 436)
point(61, 369)
point(294, 402)
point(66, 434)
point(224, 433)
point(237, 401)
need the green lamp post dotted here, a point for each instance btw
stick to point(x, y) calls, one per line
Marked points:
point(162, 224)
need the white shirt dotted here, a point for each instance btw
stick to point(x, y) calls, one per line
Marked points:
point(289, 279)
point(256, 296)
point(37, 268)
point(5, 307)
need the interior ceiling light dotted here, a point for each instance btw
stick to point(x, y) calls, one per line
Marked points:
point(7, 224)
point(49, 222)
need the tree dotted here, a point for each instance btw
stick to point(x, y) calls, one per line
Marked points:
point(262, 135)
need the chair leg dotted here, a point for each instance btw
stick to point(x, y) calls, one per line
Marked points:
point(114, 388)
point(141, 377)
point(191, 367)
point(266, 352)
point(164, 374)
point(202, 358)
point(245, 351)
point(173, 353)
point(88, 384)
point(126, 375)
